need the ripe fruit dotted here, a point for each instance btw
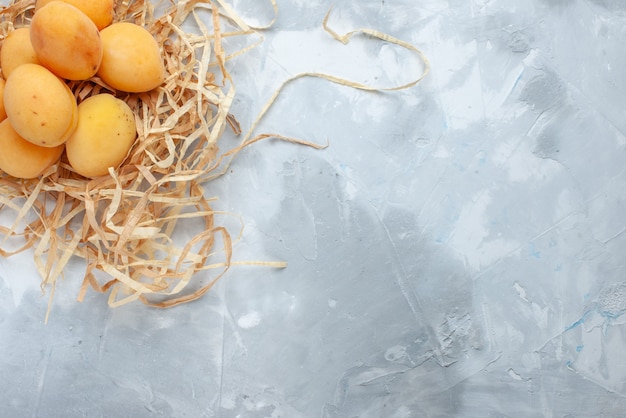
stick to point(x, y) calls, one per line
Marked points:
point(131, 60)
point(105, 133)
point(20, 158)
point(99, 11)
point(39, 105)
point(3, 113)
point(17, 50)
point(66, 41)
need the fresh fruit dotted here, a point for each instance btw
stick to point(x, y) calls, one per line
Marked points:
point(17, 50)
point(40, 106)
point(99, 11)
point(23, 159)
point(105, 133)
point(66, 41)
point(131, 59)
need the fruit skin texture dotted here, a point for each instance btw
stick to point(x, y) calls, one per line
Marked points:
point(16, 50)
point(3, 113)
point(22, 159)
point(131, 61)
point(66, 41)
point(99, 11)
point(105, 133)
point(40, 106)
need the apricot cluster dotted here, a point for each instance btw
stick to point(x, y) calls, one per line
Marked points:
point(72, 40)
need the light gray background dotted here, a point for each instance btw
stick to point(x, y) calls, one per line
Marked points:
point(457, 251)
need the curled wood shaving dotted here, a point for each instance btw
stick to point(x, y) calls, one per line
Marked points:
point(125, 226)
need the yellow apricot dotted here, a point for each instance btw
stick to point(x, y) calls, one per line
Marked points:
point(131, 60)
point(39, 105)
point(3, 113)
point(17, 50)
point(66, 41)
point(22, 159)
point(105, 133)
point(99, 11)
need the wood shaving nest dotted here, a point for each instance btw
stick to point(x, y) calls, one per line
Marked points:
point(122, 225)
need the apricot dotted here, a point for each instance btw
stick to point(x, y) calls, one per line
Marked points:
point(105, 133)
point(66, 41)
point(23, 159)
point(40, 106)
point(131, 59)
